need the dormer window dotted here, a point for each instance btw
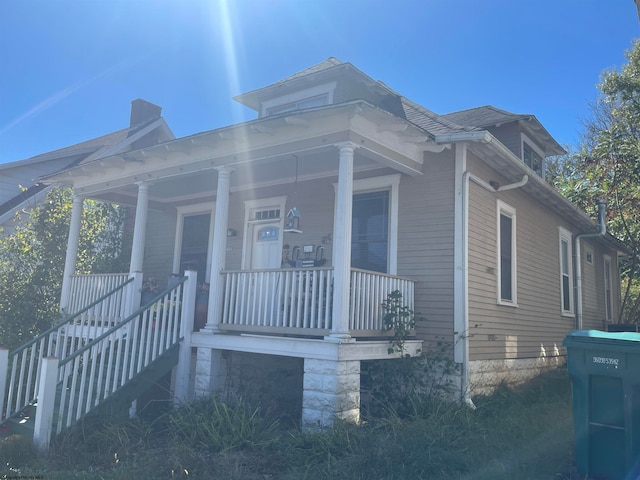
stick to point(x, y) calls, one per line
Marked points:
point(317, 101)
point(317, 96)
point(532, 157)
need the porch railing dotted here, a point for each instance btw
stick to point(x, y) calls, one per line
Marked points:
point(268, 300)
point(368, 291)
point(300, 300)
point(86, 289)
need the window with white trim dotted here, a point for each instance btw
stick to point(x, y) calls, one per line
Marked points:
point(192, 246)
point(317, 101)
point(566, 272)
point(608, 291)
point(379, 210)
point(506, 254)
point(532, 156)
point(317, 96)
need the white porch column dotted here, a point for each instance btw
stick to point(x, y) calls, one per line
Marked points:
point(342, 245)
point(72, 252)
point(140, 229)
point(218, 250)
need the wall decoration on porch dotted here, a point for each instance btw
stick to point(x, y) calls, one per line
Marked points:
point(293, 221)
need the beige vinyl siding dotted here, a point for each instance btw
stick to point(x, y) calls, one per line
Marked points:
point(425, 243)
point(537, 318)
point(314, 199)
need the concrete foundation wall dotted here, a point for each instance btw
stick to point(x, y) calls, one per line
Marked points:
point(486, 375)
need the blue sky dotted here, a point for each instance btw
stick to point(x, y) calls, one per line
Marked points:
point(69, 69)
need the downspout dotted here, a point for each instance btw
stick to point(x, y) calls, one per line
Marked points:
point(465, 242)
point(602, 210)
point(462, 334)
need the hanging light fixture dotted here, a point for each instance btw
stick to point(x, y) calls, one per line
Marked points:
point(293, 217)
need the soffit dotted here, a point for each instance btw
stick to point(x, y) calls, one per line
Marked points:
point(263, 144)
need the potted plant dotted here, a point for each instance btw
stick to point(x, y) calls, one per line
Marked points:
point(150, 288)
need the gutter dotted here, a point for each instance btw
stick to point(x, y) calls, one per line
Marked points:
point(602, 210)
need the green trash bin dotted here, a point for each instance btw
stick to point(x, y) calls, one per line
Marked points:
point(605, 376)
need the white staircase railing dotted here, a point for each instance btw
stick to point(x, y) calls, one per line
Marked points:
point(60, 340)
point(95, 372)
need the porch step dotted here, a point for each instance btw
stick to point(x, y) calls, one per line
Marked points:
point(115, 405)
point(21, 425)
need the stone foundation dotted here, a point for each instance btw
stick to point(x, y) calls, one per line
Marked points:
point(331, 391)
point(486, 375)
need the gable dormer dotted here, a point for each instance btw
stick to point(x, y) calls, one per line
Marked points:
point(523, 134)
point(330, 82)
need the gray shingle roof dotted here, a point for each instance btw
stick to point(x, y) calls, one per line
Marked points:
point(319, 67)
point(431, 121)
point(485, 116)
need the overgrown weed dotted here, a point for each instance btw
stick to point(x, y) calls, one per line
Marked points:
point(522, 433)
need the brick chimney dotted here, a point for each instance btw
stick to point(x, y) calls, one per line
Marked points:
point(142, 113)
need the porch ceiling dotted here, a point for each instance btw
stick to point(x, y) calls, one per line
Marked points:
point(263, 152)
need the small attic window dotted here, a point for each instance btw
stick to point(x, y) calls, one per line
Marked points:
point(532, 157)
point(317, 96)
point(317, 101)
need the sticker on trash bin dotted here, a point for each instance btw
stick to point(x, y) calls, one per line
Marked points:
point(607, 361)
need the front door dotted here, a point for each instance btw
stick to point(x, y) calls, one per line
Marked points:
point(266, 250)
point(263, 238)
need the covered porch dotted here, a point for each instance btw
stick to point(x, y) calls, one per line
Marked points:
point(290, 222)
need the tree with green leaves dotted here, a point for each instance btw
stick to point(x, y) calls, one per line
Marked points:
point(607, 165)
point(32, 260)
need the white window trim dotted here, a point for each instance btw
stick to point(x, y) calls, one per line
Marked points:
point(185, 211)
point(385, 182)
point(530, 143)
point(564, 234)
point(324, 89)
point(607, 268)
point(260, 203)
point(503, 208)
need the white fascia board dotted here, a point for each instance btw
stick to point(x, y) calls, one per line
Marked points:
point(483, 136)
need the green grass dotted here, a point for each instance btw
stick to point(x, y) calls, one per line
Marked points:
point(524, 433)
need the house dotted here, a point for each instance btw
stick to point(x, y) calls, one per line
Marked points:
point(341, 191)
point(20, 189)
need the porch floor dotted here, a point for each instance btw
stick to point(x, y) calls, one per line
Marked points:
point(309, 348)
